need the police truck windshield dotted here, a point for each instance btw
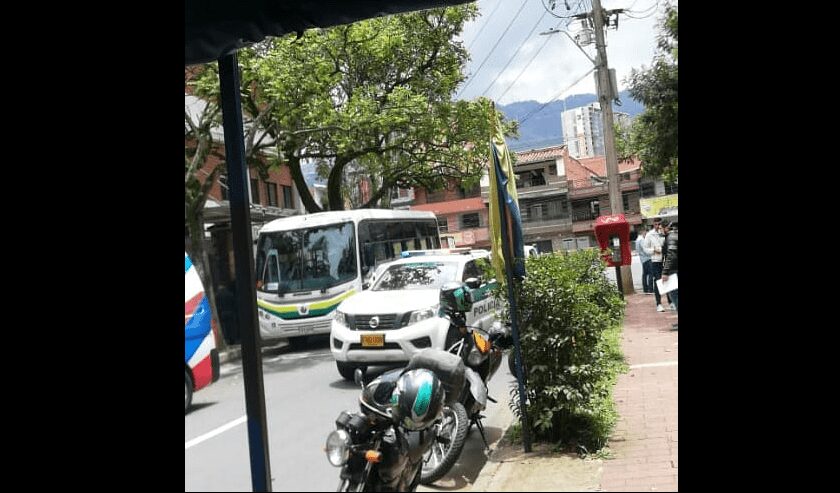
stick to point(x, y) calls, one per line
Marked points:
point(421, 275)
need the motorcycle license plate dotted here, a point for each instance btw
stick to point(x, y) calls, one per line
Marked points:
point(373, 340)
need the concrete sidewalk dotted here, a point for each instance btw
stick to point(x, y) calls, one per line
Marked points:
point(643, 445)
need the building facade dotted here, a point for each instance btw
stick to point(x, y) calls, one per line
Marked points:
point(583, 131)
point(463, 217)
point(543, 193)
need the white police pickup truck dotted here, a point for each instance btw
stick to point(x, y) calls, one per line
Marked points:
point(399, 314)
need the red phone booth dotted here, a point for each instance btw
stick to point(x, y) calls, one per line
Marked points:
point(613, 232)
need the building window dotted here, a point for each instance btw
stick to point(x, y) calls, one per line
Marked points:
point(595, 208)
point(552, 170)
point(537, 178)
point(443, 225)
point(470, 221)
point(544, 246)
point(625, 200)
point(287, 197)
point(223, 186)
point(255, 190)
point(648, 189)
point(272, 193)
point(671, 188)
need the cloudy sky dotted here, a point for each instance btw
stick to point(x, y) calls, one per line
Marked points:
point(560, 63)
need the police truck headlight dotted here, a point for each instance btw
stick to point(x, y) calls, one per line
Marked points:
point(341, 318)
point(420, 315)
point(338, 447)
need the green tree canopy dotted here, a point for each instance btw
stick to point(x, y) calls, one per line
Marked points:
point(654, 134)
point(373, 96)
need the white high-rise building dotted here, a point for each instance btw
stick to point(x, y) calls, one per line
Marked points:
point(583, 131)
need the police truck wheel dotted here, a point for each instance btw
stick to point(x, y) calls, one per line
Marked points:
point(346, 370)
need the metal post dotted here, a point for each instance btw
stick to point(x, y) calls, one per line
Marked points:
point(618, 280)
point(246, 296)
point(514, 313)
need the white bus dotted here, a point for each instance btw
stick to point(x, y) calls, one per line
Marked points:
point(306, 265)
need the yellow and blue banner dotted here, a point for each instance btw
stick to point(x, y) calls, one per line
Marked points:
point(508, 246)
point(505, 232)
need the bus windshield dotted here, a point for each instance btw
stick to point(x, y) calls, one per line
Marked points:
point(307, 259)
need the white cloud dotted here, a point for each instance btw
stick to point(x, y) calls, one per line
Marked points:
point(559, 63)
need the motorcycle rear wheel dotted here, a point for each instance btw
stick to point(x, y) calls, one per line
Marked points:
point(445, 450)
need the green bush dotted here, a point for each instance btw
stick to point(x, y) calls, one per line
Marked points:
point(571, 346)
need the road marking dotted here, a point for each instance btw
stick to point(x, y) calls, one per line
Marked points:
point(217, 431)
point(652, 365)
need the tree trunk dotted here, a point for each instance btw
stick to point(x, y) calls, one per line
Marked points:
point(300, 183)
point(201, 260)
point(334, 183)
point(382, 192)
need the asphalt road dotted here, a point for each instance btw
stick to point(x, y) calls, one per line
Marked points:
point(304, 394)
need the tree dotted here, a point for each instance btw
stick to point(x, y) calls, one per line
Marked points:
point(654, 134)
point(373, 97)
point(198, 148)
point(201, 172)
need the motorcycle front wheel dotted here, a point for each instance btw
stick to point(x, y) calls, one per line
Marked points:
point(450, 432)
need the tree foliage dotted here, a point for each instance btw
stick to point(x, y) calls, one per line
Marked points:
point(653, 137)
point(570, 317)
point(373, 97)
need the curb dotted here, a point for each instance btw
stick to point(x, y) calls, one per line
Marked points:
point(488, 472)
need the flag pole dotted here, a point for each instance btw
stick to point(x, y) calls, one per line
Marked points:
point(507, 253)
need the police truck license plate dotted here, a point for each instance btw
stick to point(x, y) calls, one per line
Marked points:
point(373, 340)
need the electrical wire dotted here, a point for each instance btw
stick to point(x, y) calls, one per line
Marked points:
point(484, 93)
point(486, 21)
point(472, 78)
point(525, 67)
point(534, 112)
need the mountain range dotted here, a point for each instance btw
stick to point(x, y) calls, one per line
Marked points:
point(544, 128)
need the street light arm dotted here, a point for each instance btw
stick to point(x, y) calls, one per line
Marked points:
point(552, 31)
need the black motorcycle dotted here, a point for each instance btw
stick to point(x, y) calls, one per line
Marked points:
point(481, 353)
point(374, 448)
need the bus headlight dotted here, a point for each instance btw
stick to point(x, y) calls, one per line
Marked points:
point(338, 447)
point(420, 315)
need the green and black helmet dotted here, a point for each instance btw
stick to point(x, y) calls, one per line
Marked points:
point(417, 401)
point(455, 297)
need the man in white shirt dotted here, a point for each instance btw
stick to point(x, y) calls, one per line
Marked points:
point(644, 258)
point(653, 247)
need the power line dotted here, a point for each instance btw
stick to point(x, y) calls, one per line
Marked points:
point(642, 17)
point(494, 46)
point(568, 8)
point(515, 53)
point(486, 21)
point(643, 11)
point(525, 67)
point(534, 112)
